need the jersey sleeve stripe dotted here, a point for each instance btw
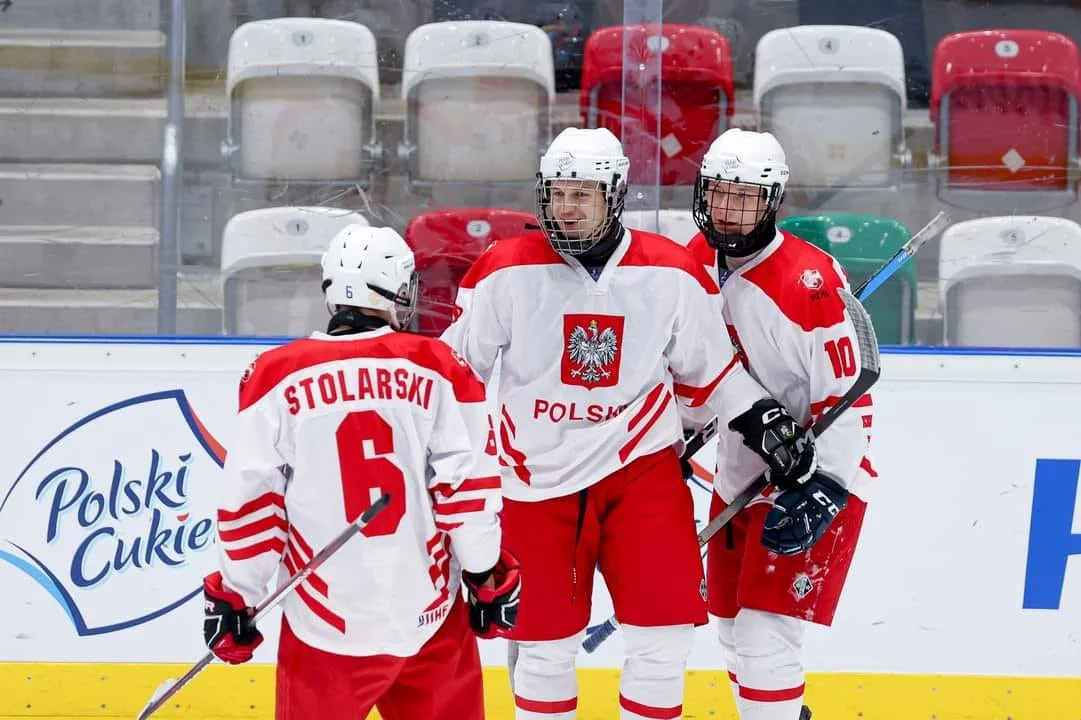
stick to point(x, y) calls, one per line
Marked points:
point(321, 611)
point(491, 482)
point(506, 436)
point(300, 560)
point(651, 400)
point(817, 408)
point(302, 544)
point(272, 545)
point(270, 522)
point(459, 507)
point(697, 396)
point(865, 465)
point(265, 500)
point(626, 450)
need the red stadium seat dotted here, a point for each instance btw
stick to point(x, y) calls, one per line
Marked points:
point(698, 95)
point(1004, 104)
point(446, 243)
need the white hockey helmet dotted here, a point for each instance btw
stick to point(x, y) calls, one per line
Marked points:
point(373, 268)
point(594, 157)
point(740, 158)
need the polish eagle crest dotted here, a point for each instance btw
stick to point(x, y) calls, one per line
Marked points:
point(592, 350)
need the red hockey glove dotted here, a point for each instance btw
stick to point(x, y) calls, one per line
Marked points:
point(227, 627)
point(493, 606)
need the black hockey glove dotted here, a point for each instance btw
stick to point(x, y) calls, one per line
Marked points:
point(227, 627)
point(800, 516)
point(493, 610)
point(777, 438)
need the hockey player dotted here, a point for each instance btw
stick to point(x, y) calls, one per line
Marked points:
point(600, 332)
point(782, 561)
point(327, 424)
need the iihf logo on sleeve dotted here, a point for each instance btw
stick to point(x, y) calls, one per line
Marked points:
point(112, 507)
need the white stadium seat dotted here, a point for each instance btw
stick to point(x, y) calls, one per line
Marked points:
point(271, 269)
point(675, 224)
point(302, 94)
point(478, 98)
point(834, 95)
point(1011, 282)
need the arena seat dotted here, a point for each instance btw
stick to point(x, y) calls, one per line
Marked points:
point(697, 95)
point(834, 96)
point(302, 94)
point(1011, 281)
point(1004, 104)
point(478, 97)
point(271, 269)
point(862, 244)
point(446, 243)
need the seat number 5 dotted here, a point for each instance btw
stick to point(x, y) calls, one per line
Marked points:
point(364, 440)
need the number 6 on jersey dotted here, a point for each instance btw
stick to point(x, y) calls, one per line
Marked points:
point(364, 440)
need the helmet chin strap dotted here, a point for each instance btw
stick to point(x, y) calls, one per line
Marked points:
point(350, 320)
point(752, 242)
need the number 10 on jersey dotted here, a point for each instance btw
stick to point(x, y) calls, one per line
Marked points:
point(842, 357)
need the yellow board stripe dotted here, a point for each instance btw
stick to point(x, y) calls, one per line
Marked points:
point(63, 691)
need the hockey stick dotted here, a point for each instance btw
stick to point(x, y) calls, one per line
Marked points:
point(877, 279)
point(870, 368)
point(170, 687)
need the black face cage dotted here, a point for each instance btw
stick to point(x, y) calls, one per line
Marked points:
point(550, 225)
point(405, 300)
point(737, 243)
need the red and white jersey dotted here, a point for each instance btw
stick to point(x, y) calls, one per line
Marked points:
point(590, 371)
point(795, 337)
point(353, 417)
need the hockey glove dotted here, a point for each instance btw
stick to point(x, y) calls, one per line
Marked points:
point(227, 627)
point(777, 438)
point(493, 606)
point(800, 516)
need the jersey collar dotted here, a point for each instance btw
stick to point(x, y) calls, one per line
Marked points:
point(367, 334)
point(600, 285)
point(762, 255)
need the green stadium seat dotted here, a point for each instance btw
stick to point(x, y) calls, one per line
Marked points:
point(862, 243)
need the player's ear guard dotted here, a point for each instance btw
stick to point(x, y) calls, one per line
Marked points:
point(493, 611)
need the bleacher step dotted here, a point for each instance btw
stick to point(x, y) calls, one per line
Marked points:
point(81, 63)
point(105, 312)
point(78, 257)
point(107, 130)
point(82, 14)
point(78, 195)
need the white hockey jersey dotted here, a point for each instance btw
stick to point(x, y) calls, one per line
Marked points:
point(327, 425)
point(793, 334)
point(590, 371)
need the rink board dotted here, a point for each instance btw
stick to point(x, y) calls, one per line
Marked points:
point(964, 600)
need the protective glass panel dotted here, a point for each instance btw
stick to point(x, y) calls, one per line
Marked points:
point(478, 130)
point(284, 302)
point(835, 134)
point(123, 155)
point(1016, 311)
point(300, 128)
